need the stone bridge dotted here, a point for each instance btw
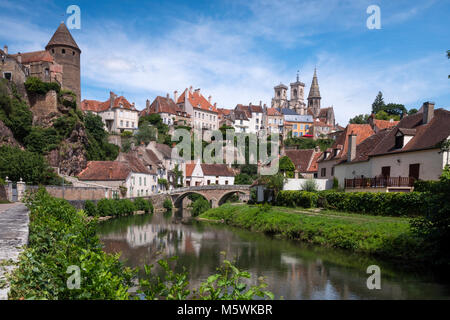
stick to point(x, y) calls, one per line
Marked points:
point(215, 194)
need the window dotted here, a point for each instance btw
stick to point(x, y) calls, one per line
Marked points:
point(307, 127)
point(294, 127)
point(196, 114)
point(295, 134)
point(73, 53)
point(63, 51)
point(301, 127)
point(7, 75)
point(295, 93)
point(323, 172)
point(127, 124)
point(145, 181)
point(399, 141)
point(242, 122)
point(121, 123)
point(301, 133)
point(226, 181)
point(203, 116)
point(208, 182)
point(140, 181)
point(332, 171)
point(217, 181)
point(53, 50)
point(132, 124)
point(257, 120)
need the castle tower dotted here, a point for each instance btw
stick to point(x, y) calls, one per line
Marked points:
point(65, 51)
point(314, 96)
point(297, 97)
point(280, 99)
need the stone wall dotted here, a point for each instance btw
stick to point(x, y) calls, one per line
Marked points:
point(3, 195)
point(43, 105)
point(76, 193)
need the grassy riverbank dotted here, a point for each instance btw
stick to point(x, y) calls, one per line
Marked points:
point(388, 237)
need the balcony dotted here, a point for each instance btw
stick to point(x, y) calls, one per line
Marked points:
point(379, 182)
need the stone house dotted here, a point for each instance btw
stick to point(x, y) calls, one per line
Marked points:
point(202, 174)
point(117, 113)
point(131, 179)
point(255, 117)
point(409, 150)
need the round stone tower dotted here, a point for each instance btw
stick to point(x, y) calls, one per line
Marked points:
point(66, 53)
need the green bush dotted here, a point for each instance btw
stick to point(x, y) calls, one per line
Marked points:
point(90, 208)
point(17, 116)
point(36, 85)
point(105, 207)
point(387, 204)
point(59, 237)
point(309, 185)
point(143, 205)
point(31, 167)
point(199, 206)
point(427, 186)
point(167, 204)
point(42, 140)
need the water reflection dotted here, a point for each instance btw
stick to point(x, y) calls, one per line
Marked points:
point(292, 270)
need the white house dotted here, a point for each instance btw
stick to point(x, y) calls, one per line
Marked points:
point(409, 150)
point(130, 179)
point(117, 113)
point(204, 115)
point(201, 174)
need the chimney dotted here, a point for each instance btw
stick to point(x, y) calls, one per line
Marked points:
point(110, 172)
point(147, 104)
point(428, 112)
point(133, 105)
point(112, 97)
point(19, 58)
point(209, 99)
point(190, 89)
point(351, 147)
point(175, 96)
point(215, 104)
point(167, 96)
point(5, 48)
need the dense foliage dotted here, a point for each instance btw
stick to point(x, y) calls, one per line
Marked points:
point(61, 237)
point(308, 143)
point(167, 204)
point(31, 167)
point(115, 207)
point(199, 206)
point(98, 149)
point(37, 86)
point(286, 167)
point(381, 203)
point(16, 115)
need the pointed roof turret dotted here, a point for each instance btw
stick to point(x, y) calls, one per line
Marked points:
point(314, 90)
point(62, 37)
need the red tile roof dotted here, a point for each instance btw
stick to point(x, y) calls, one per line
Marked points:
point(426, 136)
point(273, 112)
point(305, 160)
point(362, 131)
point(220, 170)
point(384, 124)
point(35, 56)
point(197, 100)
point(105, 171)
point(97, 106)
point(163, 105)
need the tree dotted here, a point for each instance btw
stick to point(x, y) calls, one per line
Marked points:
point(383, 115)
point(378, 104)
point(412, 111)
point(146, 133)
point(395, 109)
point(243, 179)
point(286, 167)
point(199, 206)
point(274, 182)
point(29, 166)
point(359, 119)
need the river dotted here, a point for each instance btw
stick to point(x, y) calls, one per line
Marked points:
point(292, 269)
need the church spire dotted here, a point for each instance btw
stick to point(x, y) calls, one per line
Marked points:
point(314, 91)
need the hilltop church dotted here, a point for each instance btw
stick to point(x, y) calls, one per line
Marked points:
point(322, 116)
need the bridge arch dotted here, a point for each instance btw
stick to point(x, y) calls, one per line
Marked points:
point(178, 199)
point(227, 195)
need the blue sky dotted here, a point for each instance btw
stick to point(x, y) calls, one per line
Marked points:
point(237, 51)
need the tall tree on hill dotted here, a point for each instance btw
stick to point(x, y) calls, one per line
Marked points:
point(359, 119)
point(378, 104)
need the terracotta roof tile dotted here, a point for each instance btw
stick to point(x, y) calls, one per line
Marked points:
point(383, 124)
point(97, 106)
point(36, 56)
point(273, 112)
point(197, 100)
point(217, 170)
point(105, 171)
point(63, 37)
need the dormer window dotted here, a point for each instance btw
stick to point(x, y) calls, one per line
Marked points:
point(399, 141)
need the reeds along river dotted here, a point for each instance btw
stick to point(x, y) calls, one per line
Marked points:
point(293, 270)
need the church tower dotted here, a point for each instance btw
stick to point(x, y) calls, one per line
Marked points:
point(296, 102)
point(314, 96)
point(65, 51)
point(280, 99)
